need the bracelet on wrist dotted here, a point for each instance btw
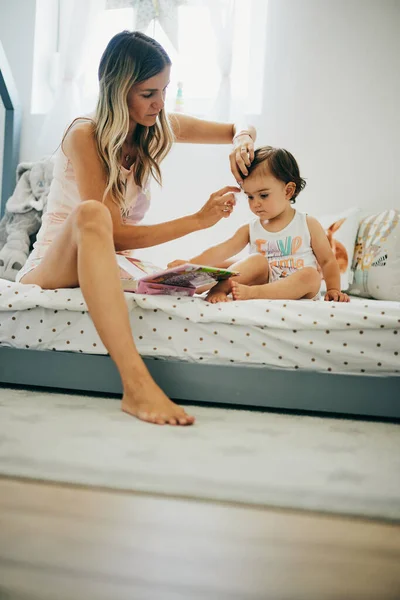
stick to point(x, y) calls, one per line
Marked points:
point(242, 132)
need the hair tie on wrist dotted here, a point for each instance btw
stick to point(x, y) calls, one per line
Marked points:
point(242, 132)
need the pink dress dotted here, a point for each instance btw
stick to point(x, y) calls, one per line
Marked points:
point(64, 197)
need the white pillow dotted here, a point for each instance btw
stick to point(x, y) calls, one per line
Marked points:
point(341, 229)
point(376, 262)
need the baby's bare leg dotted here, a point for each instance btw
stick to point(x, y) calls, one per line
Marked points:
point(225, 264)
point(253, 270)
point(84, 255)
point(305, 283)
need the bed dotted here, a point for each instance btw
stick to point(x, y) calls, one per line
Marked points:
point(295, 355)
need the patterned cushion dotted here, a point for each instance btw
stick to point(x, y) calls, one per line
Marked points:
point(376, 262)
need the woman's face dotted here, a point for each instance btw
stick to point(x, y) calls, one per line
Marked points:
point(147, 98)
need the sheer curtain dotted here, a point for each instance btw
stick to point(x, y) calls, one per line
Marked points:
point(222, 19)
point(164, 12)
point(77, 19)
point(219, 59)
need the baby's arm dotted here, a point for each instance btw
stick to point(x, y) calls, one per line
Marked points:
point(327, 261)
point(216, 255)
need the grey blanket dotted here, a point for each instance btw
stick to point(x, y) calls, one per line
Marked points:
point(23, 216)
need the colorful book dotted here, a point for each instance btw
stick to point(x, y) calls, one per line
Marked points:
point(144, 277)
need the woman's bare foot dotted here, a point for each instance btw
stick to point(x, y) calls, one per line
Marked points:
point(149, 403)
point(246, 292)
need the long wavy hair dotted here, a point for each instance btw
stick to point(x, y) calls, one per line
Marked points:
point(129, 58)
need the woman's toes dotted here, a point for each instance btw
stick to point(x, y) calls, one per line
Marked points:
point(143, 415)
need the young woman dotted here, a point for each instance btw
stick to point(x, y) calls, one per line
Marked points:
point(100, 192)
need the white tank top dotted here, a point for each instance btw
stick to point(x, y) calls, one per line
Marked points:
point(64, 197)
point(287, 250)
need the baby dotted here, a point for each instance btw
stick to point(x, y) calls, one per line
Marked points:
point(287, 248)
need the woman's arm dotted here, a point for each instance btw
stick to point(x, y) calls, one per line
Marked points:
point(126, 237)
point(326, 259)
point(198, 131)
point(80, 147)
point(191, 130)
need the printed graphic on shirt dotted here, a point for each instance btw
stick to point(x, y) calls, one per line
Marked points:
point(281, 254)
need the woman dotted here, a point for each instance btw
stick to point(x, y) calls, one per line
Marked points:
point(100, 192)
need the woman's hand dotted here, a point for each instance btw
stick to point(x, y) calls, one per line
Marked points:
point(336, 296)
point(218, 206)
point(241, 156)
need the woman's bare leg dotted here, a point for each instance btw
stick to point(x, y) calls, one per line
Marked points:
point(84, 255)
point(253, 270)
point(305, 283)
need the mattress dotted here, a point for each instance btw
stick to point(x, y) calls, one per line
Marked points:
point(362, 336)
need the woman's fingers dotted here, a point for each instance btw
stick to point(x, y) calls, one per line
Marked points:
point(220, 204)
point(242, 157)
point(227, 202)
point(251, 153)
point(234, 168)
point(225, 190)
point(228, 198)
point(243, 160)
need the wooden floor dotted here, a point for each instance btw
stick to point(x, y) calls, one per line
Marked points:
point(59, 543)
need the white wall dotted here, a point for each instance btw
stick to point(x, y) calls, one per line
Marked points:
point(331, 96)
point(190, 174)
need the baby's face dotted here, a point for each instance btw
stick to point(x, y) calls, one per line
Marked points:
point(267, 196)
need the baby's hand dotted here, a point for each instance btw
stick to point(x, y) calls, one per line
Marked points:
point(176, 263)
point(336, 296)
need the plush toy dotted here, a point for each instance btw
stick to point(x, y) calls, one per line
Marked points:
point(338, 248)
point(23, 215)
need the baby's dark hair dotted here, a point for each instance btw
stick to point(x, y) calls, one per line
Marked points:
point(282, 165)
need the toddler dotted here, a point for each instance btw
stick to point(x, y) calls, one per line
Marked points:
point(288, 249)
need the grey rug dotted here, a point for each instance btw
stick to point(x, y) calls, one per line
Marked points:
point(269, 459)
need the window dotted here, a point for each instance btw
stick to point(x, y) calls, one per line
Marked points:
point(204, 52)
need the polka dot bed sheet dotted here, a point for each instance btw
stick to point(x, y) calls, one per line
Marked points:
point(360, 337)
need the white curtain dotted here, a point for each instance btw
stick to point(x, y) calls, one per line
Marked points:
point(76, 21)
point(222, 19)
point(163, 11)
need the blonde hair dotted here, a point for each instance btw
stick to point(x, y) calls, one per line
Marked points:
point(130, 57)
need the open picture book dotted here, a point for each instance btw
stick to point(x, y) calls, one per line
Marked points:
point(143, 277)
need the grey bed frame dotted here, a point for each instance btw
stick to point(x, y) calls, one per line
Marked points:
point(258, 386)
